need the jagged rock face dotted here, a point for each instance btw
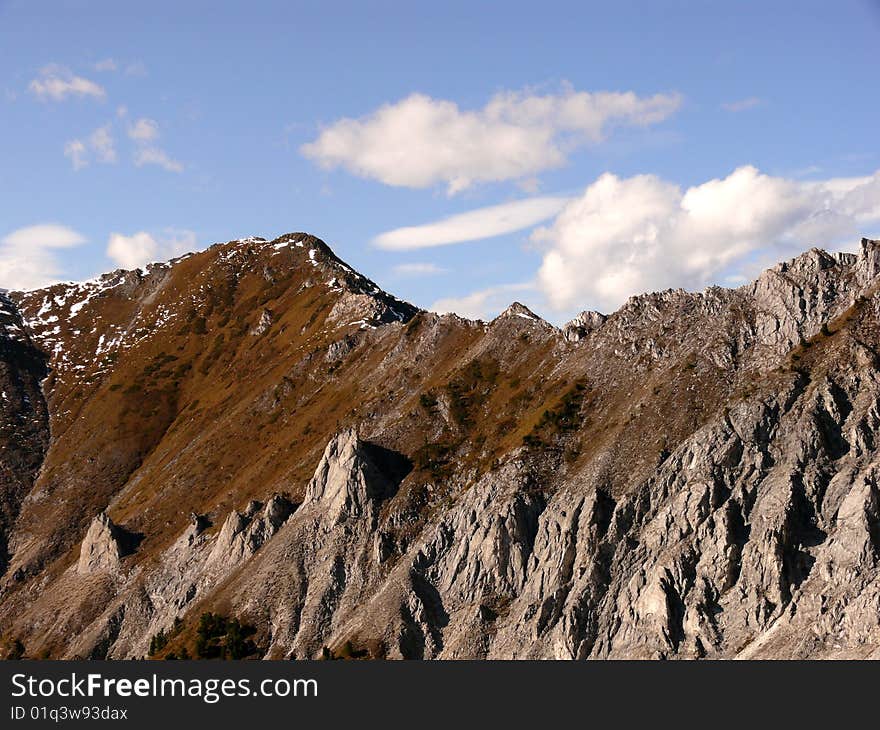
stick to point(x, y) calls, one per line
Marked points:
point(24, 426)
point(346, 482)
point(579, 327)
point(695, 475)
point(243, 534)
point(102, 548)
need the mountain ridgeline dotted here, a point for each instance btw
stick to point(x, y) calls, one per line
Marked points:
point(254, 451)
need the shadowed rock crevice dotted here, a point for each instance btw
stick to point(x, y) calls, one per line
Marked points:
point(24, 418)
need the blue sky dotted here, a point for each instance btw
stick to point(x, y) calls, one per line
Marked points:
point(622, 146)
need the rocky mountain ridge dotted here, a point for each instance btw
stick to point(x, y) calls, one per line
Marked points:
point(257, 431)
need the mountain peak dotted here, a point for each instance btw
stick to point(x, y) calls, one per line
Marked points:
point(261, 373)
point(517, 309)
point(584, 323)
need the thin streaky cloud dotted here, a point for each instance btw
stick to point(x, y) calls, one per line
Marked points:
point(418, 269)
point(473, 225)
point(742, 105)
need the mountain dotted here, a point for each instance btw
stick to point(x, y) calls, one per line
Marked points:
point(255, 451)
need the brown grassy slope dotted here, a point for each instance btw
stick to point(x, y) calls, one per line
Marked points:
point(188, 411)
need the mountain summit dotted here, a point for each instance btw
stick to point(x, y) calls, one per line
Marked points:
point(258, 432)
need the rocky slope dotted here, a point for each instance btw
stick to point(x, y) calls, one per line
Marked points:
point(258, 432)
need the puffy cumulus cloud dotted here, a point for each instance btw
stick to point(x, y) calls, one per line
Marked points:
point(627, 236)
point(473, 225)
point(139, 249)
point(27, 255)
point(100, 143)
point(421, 141)
point(483, 304)
point(56, 83)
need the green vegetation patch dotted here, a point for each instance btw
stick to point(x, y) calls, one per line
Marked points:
point(470, 389)
point(219, 637)
point(563, 418)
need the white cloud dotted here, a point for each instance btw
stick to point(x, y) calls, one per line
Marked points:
point(742, 105)
point(44, 235)
point(483, 304)
point(420, 141)
point(100, 142)
point(627, 236)
point(27, 258)
point(106, 64)
point(56, 83)
point(418, 269)
point(103, 144)
point(476, 224)
point(76, 151)
point(139, 249)
point(144, 130)
point(156, 156)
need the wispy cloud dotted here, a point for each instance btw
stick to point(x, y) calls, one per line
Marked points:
point(76, 151)
point(106, 64)
point(420, 141)
point(103, 144)
point(100, 146)
point(418, 269)
point(100, 143)
point(56, 83)
point(473, 225)
point(138, 68)
point(158, 157)
point(144, 132)
point(742, 104)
